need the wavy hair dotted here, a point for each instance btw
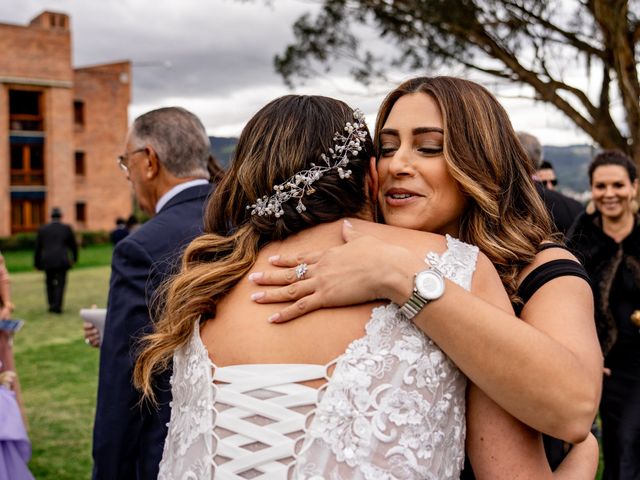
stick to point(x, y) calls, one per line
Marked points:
point(284, 137)
point(505, 216)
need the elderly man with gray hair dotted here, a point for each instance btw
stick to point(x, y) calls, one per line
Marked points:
point(168, 162)
point(563, 210)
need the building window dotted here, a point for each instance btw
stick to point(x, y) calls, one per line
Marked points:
point(80, 163)
point(25, 110)
point(78, 112)
point(27, 160)
point(27, 214)
point(81, 212)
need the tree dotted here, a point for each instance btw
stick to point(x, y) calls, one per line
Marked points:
point(515, 40)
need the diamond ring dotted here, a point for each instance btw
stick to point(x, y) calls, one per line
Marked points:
point(301, 270)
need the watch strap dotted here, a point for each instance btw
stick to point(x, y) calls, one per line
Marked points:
point(412, 306)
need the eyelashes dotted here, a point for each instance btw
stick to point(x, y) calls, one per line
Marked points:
point(428, 151)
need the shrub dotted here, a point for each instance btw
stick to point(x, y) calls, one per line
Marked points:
point(19, 241)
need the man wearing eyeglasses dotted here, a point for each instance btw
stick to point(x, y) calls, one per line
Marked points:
point(547, 175)
point(563, 209)
point(166, 160)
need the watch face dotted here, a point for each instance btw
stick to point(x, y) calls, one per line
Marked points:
point(430, 284)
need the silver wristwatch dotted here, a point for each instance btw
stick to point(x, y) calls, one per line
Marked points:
point(428, 285)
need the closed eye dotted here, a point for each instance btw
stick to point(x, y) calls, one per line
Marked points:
point(387, 151)
point(435, 150)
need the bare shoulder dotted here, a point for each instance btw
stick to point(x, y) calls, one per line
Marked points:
point(545, 256)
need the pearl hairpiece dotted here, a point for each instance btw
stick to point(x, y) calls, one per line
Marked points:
point(300, 184)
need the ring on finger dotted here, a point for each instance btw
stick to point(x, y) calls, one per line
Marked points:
point(87, 341)
point(301, 270)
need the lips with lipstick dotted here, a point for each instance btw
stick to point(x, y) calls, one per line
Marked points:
point(400, 196)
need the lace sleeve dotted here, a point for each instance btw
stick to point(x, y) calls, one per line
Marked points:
point(457, 263)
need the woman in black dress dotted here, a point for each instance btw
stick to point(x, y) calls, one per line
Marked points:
point(607, 239)
point(449, 162)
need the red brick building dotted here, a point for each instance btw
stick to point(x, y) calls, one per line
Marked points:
point(61, 130)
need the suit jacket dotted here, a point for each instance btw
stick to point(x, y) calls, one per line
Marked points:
point(55, 244)
point(128, 438)
point(563, 210)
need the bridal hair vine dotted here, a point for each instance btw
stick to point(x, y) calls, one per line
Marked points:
point(300, 184)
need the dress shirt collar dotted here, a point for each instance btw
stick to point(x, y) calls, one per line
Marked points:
point(164, 199)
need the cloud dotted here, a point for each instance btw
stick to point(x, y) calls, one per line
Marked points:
point(220, 54)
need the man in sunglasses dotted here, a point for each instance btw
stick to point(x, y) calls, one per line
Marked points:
point(547, 175)
point(167, 161)
point(563, 209)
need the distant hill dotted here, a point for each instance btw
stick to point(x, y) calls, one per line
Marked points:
point(571, 164)
point(222, 148)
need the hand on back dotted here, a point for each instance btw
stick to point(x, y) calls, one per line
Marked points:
point(349, 274)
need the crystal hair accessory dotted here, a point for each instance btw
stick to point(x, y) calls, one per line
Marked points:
point(300, 184)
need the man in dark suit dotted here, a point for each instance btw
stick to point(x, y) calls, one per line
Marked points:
point(56, 252)
point(165, 159)
point(563, 209)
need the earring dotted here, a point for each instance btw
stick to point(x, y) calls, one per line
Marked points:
point(633, 204)
point(590, 208)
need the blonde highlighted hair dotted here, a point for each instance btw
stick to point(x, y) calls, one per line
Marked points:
point(505, 216)
point(284, 137)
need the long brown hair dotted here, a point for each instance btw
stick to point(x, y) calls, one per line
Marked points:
point(284, 137)
point(505, 216)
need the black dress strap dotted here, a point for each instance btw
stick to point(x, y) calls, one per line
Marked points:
point(545, 246)
point(546, 272)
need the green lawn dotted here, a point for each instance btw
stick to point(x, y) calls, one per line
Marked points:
point(91, 256)
point(58, 371)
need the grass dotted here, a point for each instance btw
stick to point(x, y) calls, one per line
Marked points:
point(58, 372)
point(90, 256)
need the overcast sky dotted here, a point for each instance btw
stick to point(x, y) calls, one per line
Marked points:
point(215, 58)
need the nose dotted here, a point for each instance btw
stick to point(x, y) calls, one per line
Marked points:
point(400, 164)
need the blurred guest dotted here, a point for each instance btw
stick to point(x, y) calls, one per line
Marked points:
point(119, 232)
point(607, 239)
point(563, 209)
point(166, 161)
point(6, 309)
point(15, 448)
point(132, 223)
point(7, 363)
point(6, 306)
point(56, 252)
point(546, 175)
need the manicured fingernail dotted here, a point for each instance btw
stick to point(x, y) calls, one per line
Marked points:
point(257, 295)
point(273, 318)
point(274, 258)
point(255, 276)
point(348, 223)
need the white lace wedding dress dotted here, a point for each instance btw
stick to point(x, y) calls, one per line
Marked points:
point(393, 408)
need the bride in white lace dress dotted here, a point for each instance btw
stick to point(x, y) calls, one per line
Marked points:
point(373, 398)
